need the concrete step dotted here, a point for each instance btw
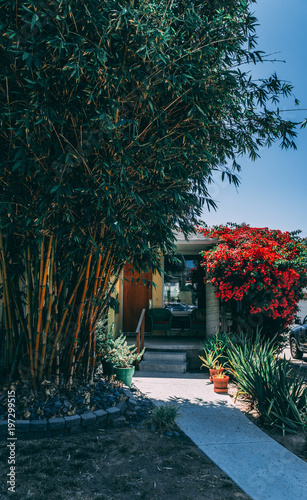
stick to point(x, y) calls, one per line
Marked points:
point(156, 356)
point(163, 366)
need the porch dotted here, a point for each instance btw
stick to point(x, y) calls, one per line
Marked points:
point(170, 353)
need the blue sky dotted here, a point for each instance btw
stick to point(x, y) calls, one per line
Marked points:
point(273, 189)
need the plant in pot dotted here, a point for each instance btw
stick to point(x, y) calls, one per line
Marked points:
point(220, 381)
point(105, 342)
point(123, 358)
point(105, 351)
point(210, 361)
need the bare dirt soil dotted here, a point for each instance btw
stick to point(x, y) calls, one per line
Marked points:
point(116, 464)
point(126, 462)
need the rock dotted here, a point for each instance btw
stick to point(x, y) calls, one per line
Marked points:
point(122, 406)
point(88, 419)
point(119, 422)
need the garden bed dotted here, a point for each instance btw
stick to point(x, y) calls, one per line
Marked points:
point(117, 464)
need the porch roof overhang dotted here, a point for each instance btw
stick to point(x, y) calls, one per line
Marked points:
point(194, 244)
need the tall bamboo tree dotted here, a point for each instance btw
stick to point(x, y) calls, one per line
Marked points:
point(113, 118)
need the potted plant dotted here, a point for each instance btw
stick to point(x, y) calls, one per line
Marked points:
point(210, 361)
point(220, 381)
point(123, 358)
point(104, 344)
point(107, 347)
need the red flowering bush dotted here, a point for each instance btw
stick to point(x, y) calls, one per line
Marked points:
point(259, 272)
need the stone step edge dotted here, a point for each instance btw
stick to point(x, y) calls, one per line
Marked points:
point(165, 353)
point(161, 362)
point(165, 359)
point(52, 427)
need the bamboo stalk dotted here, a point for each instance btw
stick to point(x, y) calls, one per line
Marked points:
point(93, 358)
point(6, 326)
point(89, 316)
point(58, 334)
point(100, 310)
point(95, 288)
point(29, 308)
point(6, 295)
point(90, 334)
point(35, 291)
point(104, 268)
point(78, 323)
point(48, 318)
point(41, 305)
point(106, 282)
point(57, 379)
point(81, 352)
point(41, 263)
point(21, 336)
point(18, 347)
point(54, 325)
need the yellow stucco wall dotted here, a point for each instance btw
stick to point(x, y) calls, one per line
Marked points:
point(157, 291)
point(115, 318)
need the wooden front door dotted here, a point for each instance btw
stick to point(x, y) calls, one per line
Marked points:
point(136, 297)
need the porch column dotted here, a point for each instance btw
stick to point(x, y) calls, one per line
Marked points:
point(157, 291)
point(212, 311)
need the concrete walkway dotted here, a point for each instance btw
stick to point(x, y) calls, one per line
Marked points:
point(260, 466)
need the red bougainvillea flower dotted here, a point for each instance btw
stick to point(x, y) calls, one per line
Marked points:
point(261, 269)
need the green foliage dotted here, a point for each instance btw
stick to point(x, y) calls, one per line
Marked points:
point(278, 393)
point(117, 351)
point(164, 417)
point(102, 334)
point(217, 346)
point(252, 365)
point(288, 407)
point(113, 119)
point(209, 359)
point(117, 115)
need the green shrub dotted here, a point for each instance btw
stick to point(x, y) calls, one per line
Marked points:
point(252, 367)
point(218, 345)
point(288, 407)
point(278, 394)
point(210, 359)
point(164, 417)
point(115, 350)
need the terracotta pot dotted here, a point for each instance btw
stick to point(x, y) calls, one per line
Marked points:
point(214, 371)
point(221, 384)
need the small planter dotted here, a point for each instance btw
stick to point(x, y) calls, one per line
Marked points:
point(221, 384)
point(214, 371)
point(108, 368)
point(124, 374)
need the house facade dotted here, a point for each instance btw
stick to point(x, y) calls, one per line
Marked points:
point(173, 286)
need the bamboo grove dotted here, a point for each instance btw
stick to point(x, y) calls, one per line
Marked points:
point(113, 118)
point(51, 304)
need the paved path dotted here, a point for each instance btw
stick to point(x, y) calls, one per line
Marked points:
point(260, 466)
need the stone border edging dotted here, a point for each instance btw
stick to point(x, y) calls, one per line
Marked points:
point(75, 424)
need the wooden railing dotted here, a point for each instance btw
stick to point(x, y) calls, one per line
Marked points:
point(140, 334)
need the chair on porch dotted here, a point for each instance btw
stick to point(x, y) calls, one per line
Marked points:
point(198, 320)
point(161, 319)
